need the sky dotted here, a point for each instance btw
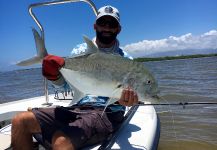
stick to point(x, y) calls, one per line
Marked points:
point(149, 27)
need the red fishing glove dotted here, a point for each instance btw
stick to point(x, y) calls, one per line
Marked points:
point(51, 65)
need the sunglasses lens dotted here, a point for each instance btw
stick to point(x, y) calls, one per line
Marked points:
point(111, 23)
point(114, 24)
point(100, 22)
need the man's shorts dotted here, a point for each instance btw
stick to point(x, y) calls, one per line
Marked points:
point(84, 126)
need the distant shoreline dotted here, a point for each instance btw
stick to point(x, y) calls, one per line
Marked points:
point(144, 59)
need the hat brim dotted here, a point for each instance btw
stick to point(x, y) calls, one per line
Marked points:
point(108, 14)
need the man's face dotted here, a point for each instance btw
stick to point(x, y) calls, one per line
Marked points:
point(107, 29)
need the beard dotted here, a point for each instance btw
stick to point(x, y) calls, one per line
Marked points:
point(106, 39)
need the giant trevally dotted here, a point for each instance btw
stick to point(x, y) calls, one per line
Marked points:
point(99, 73)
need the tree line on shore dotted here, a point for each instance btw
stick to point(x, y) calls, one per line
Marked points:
point(143, 59)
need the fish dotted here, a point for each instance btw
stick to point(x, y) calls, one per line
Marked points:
point(103, 74)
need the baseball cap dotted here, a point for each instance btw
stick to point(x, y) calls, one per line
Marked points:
point(108, 11)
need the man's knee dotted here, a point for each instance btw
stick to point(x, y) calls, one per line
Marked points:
point(18, 119)
point(26, 120)
point(61, 141)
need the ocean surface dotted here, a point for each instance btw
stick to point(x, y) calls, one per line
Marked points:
point(189, 80)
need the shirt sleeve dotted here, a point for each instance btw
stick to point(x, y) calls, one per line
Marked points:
point(61, 85)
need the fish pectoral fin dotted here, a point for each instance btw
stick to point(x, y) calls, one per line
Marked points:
point(112, 99)
point(91, 47)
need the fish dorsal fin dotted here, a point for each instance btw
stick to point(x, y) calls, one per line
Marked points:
point(91, 47)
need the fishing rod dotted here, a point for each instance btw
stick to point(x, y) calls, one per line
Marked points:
point(183, 104)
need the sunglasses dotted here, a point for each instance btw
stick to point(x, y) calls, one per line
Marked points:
point(112, 23)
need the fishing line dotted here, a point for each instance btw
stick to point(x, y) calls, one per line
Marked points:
point(172, 117)
point(183, 104)
point(160, 104)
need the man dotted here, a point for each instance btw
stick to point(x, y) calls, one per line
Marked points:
point(74, 127)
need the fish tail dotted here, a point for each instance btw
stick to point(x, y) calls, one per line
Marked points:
point(40, 48)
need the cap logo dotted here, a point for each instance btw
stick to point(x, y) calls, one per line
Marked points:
point(109, 9)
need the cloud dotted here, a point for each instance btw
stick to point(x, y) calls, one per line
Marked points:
point(188, 41)
point(80, 48)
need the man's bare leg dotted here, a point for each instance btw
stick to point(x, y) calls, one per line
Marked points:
point(23, 125)
point(61, 142)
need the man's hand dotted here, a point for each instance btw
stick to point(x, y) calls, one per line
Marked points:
point(51, 65)
point(128, 97)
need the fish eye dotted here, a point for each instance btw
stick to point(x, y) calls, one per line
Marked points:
point(148, 82)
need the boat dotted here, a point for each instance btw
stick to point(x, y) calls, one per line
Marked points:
point(139, 130)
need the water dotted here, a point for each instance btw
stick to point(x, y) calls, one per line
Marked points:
point(189, 80)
